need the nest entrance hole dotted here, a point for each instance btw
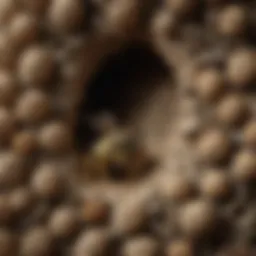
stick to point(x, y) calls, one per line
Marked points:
point(121, 86)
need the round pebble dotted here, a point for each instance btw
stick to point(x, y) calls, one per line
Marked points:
point(72, 72)
point(32, 107)
point(12, 171)
point(8, 88)
point(121, 17)
point(232, 109)
point(63, 222)
point(176, 187)
point(66, 15)
point(140, 246)
point(249, 133)
point(241, 67)
point(24, 143)
point(47, 181)
point(95, 211)
point(88, 243)
point(213, 146)
point(129, 217)
point(23, 29)
point(181, 7)
point(179, 248)
point(208, 84)
point(36, 242)
point(55, 137)
point(7, 10)
point(197, 217)
point(244, 165)
point(232, 20)
point(214, 184)
point(191, 126)
point(162, 24)
point(36, 66)
point(21, 201)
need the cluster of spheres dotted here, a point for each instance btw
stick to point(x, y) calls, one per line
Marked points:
point(45, 47)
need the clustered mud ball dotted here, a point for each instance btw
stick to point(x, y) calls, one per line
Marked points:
point(48, 49)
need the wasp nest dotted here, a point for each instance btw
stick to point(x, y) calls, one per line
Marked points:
point(48, 51)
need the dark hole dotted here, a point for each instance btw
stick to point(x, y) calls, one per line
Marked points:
point(121, 84)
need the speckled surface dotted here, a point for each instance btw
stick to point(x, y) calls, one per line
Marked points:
point(191, 104)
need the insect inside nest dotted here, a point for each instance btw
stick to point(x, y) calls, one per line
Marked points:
point(116, 154)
